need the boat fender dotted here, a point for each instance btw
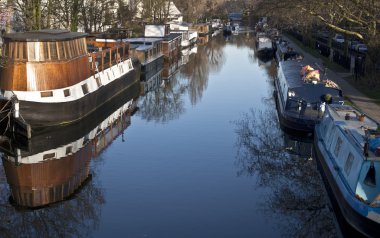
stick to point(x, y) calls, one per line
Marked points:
point(376, 202)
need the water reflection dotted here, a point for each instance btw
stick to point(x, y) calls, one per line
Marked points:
point(284, 165)
point(52, 172)
point(164, 102)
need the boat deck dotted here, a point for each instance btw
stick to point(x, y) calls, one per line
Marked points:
point(358, 127)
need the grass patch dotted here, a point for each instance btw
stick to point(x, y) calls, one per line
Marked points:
point(327, 63)
point(366, 87)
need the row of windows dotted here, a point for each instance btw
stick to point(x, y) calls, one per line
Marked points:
point(67, 92)
point(46, 51)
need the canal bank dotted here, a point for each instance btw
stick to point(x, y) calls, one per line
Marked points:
point(365, 104)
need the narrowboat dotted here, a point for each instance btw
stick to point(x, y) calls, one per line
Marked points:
point(301, 95)
point(150, 54)
point(189, 36)
point(51, 79)
point(347, 145)
point(55, 163)
point(171, 45)
point(264, 46)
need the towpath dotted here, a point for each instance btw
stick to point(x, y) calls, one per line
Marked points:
point(365, 104)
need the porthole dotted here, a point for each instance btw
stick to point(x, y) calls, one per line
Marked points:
point(47, 94)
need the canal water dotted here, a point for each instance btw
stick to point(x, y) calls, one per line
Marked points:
point(202, 156)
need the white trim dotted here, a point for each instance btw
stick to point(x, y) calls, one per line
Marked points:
point(60, 152)
point(107, 76)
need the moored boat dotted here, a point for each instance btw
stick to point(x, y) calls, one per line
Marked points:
point(51, 79)
point(150, 54)
point(347, 145)
point(55, 163)
point(301, 95)
point(264, 46)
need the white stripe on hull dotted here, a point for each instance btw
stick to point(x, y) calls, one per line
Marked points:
point(76, 92)
point(61, 152)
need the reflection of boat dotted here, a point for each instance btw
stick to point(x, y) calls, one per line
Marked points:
point(148, 85)
point(264, 46)
point(348, 151)
point(300, 103)
point(55, 162)
point(235, 29)
point(149, 52)
point(203, 40)
point(185, 54)
point(171, 67)
point(50, 78)
point(227, 30)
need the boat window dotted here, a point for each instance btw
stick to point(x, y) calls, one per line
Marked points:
point(66, 92)
point(44, 51)
point(98, 81)
point(348, 165)
point(60, 50)
point(31, 51)
point(337, 146)
point(48, 156)
point(85, 88)
point(69, 149)
point(47, 94)
point(53, 50)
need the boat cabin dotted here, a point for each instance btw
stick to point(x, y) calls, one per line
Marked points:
point(145, 49)
point(353, 142)
point(303, 93)
point(41, 60)
point(53, 59)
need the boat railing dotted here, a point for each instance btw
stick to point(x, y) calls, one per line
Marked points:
point(305, 110)
point(106, 58)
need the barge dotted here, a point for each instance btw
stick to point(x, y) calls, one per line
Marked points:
point(54, 164)
point(149, 51)
point(301, 96)
point(50, 78)
point(265, 48)
point(347, 145)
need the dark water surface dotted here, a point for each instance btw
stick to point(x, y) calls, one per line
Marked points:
point(202, 157)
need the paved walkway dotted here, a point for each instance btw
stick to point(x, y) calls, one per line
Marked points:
point(365, 104)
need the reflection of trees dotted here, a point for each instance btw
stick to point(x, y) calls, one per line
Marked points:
point(283, 165)
point(76, 217)
point(199, 70)
point(165, 103)
point(209, 59)
point(215, 53)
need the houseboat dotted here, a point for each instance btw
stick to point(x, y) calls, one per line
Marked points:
point(202, 28)
point(150, 54)
point(51, 79)
point(301, 95)
point(347, 145)
point(264, 46)
point(189, 36)
point(55, 163)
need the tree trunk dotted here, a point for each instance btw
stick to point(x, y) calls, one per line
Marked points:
point(74, 16)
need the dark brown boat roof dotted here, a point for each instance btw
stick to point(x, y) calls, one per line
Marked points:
point(44, 35)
